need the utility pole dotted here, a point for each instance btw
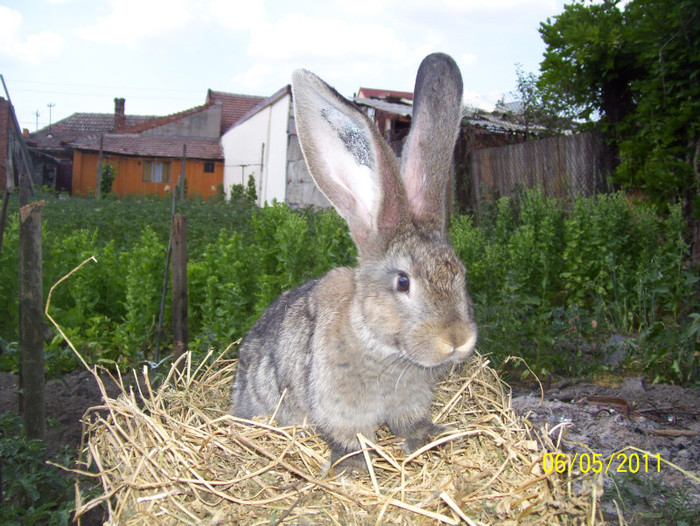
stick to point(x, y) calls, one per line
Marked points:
point(50, 105)
point(37, 120)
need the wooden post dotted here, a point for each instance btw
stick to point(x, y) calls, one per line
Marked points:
point(181, 180)
point(3, 215)
point(31, 321)
point(98, 188)
point(179, 271)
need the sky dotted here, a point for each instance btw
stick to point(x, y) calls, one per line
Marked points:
point(59, 57)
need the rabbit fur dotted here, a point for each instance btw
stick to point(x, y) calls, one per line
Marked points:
point(365, 346)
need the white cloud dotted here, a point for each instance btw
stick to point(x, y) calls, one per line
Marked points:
point(135, 22)
point(298, 35)
point(386, 7)
point(347, 52)
point(466, 59)
point(479, 6)
point(35, 48)
point(255, 78)
point(240, 15)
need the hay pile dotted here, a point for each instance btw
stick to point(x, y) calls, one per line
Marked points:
point(174, 455)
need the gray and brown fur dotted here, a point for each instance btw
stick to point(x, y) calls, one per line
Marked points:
point(354, 349)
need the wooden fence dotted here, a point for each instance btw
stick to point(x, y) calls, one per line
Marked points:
point(562, 167)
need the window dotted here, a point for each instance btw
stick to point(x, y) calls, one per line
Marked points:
point(209, 167)
point(156, 171)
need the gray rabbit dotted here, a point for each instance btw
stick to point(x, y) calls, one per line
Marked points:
point(365, 346)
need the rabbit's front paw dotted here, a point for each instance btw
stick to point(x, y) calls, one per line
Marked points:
point(348, 461)
point(421, 434)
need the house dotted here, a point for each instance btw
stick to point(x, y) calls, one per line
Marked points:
point(264, 144)
point(50, 147)
point(145, 151)
point(147, 156)
point(390, 110)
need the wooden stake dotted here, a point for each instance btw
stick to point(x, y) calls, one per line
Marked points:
point(179, 284)
point(31, 322)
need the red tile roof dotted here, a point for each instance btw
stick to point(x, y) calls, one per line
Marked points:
point(154, 122)
point(285, 90)
point(149, 146)
point(77, 126)
point(371, 93)
point(234, 106)
point(80, 125)
point(83, 131)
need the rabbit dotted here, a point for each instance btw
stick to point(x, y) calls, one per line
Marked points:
point(365, 346)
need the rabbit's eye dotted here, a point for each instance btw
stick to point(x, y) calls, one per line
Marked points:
point(403, 283)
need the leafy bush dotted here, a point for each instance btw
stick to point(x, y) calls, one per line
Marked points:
point(240, 275)
point(33, 492)
point(556, 286)
point(550, 283)
point(107, 175)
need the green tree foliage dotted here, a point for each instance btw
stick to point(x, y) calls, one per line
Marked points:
point(637, 70)
point(661, 137)
point(548, 115)
point(588, 64)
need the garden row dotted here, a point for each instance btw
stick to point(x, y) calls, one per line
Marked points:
point(550, 283)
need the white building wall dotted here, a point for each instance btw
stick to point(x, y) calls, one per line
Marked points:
point(258, 147)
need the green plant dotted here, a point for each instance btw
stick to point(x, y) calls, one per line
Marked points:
point(33, 492)
point(245, 194)
point(107, 174)
point(553, 285)
point(551, 282)
point(634, 71)
point(143, 266)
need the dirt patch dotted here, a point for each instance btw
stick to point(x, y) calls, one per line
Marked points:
point(662, 420)
point(67, 399)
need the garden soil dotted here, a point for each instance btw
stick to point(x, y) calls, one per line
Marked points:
point(633, 419)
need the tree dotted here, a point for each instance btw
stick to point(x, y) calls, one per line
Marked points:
point(660, 139)
point(588, 66)
point(538, 111)
point(634, 73)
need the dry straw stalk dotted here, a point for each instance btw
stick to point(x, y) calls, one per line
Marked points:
point(174, 455)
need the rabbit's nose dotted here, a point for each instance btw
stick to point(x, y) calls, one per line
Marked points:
point(460, 342)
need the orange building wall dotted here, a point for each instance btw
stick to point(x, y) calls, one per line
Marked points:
point(129, 176)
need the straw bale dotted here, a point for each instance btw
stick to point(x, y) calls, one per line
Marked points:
point(174, 455)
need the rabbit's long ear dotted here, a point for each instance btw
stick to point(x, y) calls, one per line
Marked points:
point(427, 155)
point(348, 159)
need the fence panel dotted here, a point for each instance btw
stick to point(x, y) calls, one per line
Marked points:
point(563, 167)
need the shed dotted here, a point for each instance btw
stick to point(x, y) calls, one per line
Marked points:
point(263, 144)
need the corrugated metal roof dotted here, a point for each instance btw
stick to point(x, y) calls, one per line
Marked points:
point(494, 123)
point(390, 107)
